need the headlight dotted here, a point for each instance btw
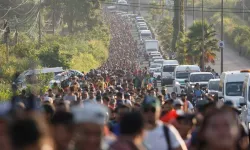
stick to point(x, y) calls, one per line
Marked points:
point(192, 86)
point(177, 83)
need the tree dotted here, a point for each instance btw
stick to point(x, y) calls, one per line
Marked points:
point(195, 43)
point(241, 34)
point(181, 48)
point(178, 21)
point(154, 11)
point(81, 13)
point(164, 31)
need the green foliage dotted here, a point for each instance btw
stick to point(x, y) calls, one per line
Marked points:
point(182, 49)
point(84, 45)
point(154, 11)
point(236, 32)
point(5, 92)
point(195, 42)
point(164, 31)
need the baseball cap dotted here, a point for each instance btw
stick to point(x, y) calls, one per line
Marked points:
point(178, 102)
point(90, 113)
point(150, 101)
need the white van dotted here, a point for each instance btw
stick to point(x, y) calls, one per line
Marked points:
point(213, 86)
point(181, 73)
point(167, 71)
point(145, 35)
point(21, 80)
point(231, 84)
point(245, 101)
point(200, 77)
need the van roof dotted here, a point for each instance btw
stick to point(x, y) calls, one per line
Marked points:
point(201, 73)
point(139, 17)
point(44, 70)
point(150, 40)
point(214, 80)
point(171, 62)
point(187, 67)
point(145, 31)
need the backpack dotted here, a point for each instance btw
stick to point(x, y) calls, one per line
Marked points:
point(167, 137)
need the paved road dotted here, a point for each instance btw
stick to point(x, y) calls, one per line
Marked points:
point(232, 60)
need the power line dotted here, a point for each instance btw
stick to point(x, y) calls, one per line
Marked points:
point(173, 9)
point(17, 5)
point(5, 13)
point(26, 12)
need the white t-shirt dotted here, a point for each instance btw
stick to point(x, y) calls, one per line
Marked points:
point(155, 139)
point(190, 106)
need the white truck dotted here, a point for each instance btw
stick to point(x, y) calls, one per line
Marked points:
point(167, 71)
point(181, 73)
point(151, 46)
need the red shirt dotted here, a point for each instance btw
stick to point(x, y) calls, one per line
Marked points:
point(169, 116)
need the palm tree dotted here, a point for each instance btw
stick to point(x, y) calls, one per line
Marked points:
point(194, 50)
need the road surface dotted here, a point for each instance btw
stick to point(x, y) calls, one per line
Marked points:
point(232, 60)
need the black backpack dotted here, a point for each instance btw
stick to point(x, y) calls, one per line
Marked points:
point(166, 133)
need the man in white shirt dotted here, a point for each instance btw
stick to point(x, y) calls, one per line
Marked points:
point(159, 136)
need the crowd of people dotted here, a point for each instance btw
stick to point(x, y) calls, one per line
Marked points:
point(110, 109)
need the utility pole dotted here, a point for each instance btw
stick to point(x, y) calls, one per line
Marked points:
point(53, 17)
point(39, 25)
point(16, 36)
point(6, 38)
point(185, 13)
point(222, 34)
point(203, 62)
point(243, 9)
point(162, 8)
point(139, 7)
point(193, 12)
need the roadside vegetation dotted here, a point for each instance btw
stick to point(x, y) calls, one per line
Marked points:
point(80, 39)
point(236, 28)
point(185, 45)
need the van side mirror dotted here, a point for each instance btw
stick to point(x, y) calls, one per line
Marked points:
point(242, 101)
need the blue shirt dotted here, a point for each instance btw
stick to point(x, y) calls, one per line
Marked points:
point(116, 129)
point(119, 102)
point(198, 93)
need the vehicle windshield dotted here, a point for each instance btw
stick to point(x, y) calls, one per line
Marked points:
point(140, 20)
point(151, 50)
point(146, 35)
point(168, 68)
point(158, 62)
point(201, 77)
point(143, 28)
point(234, 88)
point(154, 66)
point(158, 70)
point(182, 75)
point(214, 85)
